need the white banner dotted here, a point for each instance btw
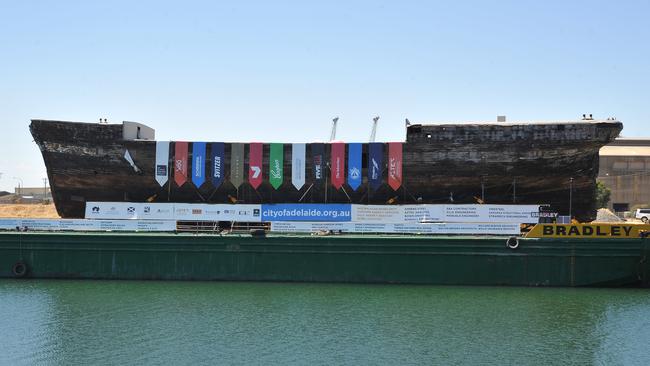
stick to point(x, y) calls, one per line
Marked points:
point(112, 210)
point(518, 214)
point(87, 225)
point(298, 165)
point(217, 212)
point(412, 228)
point(162, 162)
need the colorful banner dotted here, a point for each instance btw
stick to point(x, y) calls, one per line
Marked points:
point(198, 163)
point(237, 164)
point(255, 164)
point(162, 162)
point(306, 212)
point(337, 167)
point(354, 165)
point(318, 161)
point(180, 162)
point(218, 159)
point(375, 164)
point(276, 165)
point(395, 165)
point(298, 165)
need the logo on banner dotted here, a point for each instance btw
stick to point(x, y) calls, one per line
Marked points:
point(95, 209)
point(130, 209)
point(375, 169)
point(217, 167)
point(355, 173)
point(276, 171)
point(198, 163)
point(318, 165)
point(147, 209)
point(256, 171)
point(161, 170)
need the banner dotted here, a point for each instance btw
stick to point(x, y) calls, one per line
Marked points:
point(354, 165)
point(87, 225)
point(112, 210)
point(306, 212)
point(237, 164)
point(318, 160)
point(218, 159)
point(298, 165)
point(198, 163)
point(337, 164)
point(162, 162)
point(375, 164)
point(395, 165)
point(599, 230)
point(217, 212)
point(154, 211)
point(516, 214)
point(391, 228)
point(180, 162)
point(255, 164)
point(276, 165)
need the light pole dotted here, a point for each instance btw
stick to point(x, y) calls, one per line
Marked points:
point(20, 184)
point(44, 188)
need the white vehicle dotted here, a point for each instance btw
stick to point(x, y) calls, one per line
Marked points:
point(643, 214)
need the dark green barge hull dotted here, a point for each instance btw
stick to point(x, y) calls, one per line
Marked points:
point(350, 258)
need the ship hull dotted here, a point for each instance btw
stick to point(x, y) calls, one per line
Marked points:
point(349, 259)
point(554, 164)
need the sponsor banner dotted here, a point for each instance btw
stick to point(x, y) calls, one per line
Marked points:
point(318, 161)
point(218, 161)
point(395, 165)
point(87, 225)
point(162, 162)
point(255, 164)
point(180, 162)
point(198, 163)
point(217, 212)
point(298, 165)
point(237, 164)
point(604, 231)
point(306, 212)
point(112, 210)
point(276, 165)
point(337, 164)
point(519, 214)
point(354, 165)
point(389, 228)
point(375, 164)
point(155, 211)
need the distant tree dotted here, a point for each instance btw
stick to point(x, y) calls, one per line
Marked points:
point(603, 194)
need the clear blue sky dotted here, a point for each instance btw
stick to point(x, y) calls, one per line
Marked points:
point(279, 71)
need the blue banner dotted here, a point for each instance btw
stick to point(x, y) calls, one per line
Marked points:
point(198, 163)
point(375, 164)
point(354, 165)
point(318, 161)
point(217, 164)
point(315, 212)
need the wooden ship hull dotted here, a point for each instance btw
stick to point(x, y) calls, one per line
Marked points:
point(528, 163)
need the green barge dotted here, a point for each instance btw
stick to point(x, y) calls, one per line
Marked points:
point(412, 259)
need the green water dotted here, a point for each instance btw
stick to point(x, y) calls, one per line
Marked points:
point(106, 322)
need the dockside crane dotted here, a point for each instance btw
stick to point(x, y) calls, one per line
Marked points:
point(333, 133)
point(374, 129)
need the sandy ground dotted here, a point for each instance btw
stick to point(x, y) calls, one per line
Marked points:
point(32, 211)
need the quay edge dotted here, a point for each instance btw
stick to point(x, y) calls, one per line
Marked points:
point(451, 260)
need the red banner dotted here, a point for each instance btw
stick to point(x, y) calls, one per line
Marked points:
point(337, 167)
point(180, 162)
point(255, 164)
point(395, 165)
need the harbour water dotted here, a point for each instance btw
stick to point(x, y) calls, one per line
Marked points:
point(133, 322)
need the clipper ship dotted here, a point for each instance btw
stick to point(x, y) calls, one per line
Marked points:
point(553, 163)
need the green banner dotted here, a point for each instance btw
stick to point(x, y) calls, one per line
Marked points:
point(276, 162)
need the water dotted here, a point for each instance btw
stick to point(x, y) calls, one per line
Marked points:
point(115, 322)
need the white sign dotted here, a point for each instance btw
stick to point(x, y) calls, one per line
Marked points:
point(412, 228)
point(112, 210)
point(446, 213)
point(217, 212)
point(172, 211)
point(87, 225)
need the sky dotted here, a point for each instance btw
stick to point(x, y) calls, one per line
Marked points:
point(279, 71)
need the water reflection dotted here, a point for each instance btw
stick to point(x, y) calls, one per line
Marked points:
point(105, 322)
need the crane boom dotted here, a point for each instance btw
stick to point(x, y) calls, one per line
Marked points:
point(374, 129)
point(333, 133)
